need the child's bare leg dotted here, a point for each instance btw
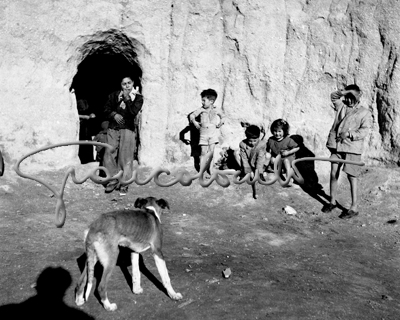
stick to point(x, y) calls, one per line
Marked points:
point(354, 191)
point(211, 149)
point(288, 166)
point(253, 187)
point(238, 159)
point(268, 159)
point(335, 171)
point(203, 158)
point(273, 162)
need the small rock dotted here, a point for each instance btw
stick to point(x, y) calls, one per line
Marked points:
point(6, 188)
point(289, 210)
point(227, 273)
point(386, 297)
point(212, 281)
point(185, 303)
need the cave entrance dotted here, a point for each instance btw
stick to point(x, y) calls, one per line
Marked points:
point(108, 58)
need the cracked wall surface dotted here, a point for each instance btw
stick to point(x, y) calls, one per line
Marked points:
point(267, 59)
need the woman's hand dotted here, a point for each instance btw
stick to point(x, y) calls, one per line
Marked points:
point(119, 119)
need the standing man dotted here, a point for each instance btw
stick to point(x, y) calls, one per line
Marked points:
point(121, 110)
point(346, 140)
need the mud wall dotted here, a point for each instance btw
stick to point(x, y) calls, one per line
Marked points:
point(266, 58)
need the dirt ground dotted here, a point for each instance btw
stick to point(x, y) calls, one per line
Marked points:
point(305, 266)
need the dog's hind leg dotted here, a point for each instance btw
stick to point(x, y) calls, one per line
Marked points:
point(108, 258)
point(162, 270)
point(136, 288)
point(86, 279)
point(80, 287)
point(92, 259)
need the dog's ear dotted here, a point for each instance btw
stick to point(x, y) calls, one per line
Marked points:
point(163, 203)
point(244, 124)
point(139, 202)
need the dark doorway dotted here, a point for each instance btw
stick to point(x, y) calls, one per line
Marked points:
point(100, 74)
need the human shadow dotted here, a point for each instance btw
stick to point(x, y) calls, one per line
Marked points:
point(193, 141)
point(123, 261)
point(228, 160)
point(48, 303)
point(311, 184)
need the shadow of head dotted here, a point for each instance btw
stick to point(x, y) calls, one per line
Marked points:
point(52, 283)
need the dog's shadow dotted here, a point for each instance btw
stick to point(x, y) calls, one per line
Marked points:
point(124, 261)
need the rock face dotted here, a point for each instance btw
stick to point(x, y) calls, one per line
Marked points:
point(267, 59)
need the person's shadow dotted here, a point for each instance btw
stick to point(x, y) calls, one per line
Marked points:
point(48, 303)
point(124, 261)
point(193, 141)
point(307, 169)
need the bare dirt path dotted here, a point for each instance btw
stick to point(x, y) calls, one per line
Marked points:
point(307, 266)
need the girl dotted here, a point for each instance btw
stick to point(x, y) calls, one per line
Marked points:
point(281, 143)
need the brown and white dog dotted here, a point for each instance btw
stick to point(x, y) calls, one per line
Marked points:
point(139, 230)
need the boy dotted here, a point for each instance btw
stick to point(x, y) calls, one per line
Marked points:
point(345, 141)
point(252, 154)
point(210, 120)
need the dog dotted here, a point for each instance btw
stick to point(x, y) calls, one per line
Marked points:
point(139, 230)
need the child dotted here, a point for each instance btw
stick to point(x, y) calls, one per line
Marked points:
point(281, 143)
point(252, 154)
point(210, 120)
point(346, 141)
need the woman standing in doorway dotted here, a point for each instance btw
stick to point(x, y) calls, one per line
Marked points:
point(121, 110)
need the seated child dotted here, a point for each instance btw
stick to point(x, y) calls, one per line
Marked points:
point(210, 121)
point(281, 143)
point(252, 153)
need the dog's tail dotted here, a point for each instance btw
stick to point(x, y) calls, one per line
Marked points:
point(85, 233)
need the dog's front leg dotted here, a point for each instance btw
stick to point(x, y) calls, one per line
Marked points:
point(136, 288)
point(162, 270)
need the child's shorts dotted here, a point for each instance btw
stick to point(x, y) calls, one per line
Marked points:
point(208, 136)
point(351, 169)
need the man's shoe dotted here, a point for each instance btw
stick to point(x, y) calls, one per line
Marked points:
point(123, 191)
point(348, 214)
point(110, 187)
point(328, 208)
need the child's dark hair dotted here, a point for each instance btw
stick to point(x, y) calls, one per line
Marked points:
point(210, 94)
point(252, 132)
point(280, 124)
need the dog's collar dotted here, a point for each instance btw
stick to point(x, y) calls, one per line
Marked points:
point(155, 212)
